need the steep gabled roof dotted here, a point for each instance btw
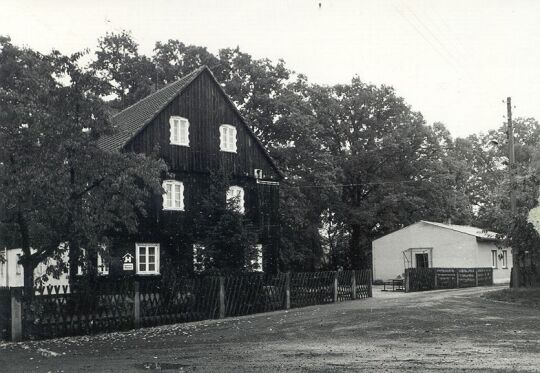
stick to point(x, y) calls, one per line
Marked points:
point(467, 229)
point(132, 120)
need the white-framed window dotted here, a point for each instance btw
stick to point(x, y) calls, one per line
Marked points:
point(179, 131)
point(82, 262)
point(18, 265)
point(173, 199)
point(199, 257)
point(235, 194)
point(505, 258)
point(494, 258)
point(257, 260)
point(147, 258)
point(227, 138)
point(102, 262)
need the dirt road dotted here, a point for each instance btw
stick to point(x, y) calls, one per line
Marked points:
point(453, 330)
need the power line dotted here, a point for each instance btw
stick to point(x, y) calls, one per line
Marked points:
point(358, 184)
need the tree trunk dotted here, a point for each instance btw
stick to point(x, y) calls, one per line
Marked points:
point(356, 256)
point(26, 259)
point(73, 261)
point(28, 276)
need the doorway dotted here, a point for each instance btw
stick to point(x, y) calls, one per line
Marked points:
point(422, 260)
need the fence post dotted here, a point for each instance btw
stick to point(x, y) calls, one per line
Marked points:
point(136, 304)
point(221, 297)
point(287, 304)
point(335, 286)
point(16, 313)
point(407, 281)
point(370, 283)
point(353, 285)
point(435, 279)
point(476, 276)
point(457, 278)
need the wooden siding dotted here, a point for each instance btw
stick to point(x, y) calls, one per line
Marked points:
point(169, 227)
point(206, 108)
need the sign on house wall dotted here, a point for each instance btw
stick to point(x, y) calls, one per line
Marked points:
point(127, 262)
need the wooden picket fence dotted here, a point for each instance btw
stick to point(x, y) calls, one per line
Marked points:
point(56, 311)
point(421, 279)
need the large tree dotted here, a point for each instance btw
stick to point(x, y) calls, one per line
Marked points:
point(59, 188)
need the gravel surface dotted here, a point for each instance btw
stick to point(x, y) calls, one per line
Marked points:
point(444, 331)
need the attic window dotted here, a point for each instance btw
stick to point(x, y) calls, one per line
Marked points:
point(179, 131)
point(227, 138)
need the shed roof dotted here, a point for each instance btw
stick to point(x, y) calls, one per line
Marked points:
point(479, 233)
point(467, 229)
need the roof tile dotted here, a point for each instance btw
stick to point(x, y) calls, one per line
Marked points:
point(133, 119)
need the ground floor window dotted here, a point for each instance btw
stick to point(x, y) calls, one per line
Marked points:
point(199, 258)
point(256, 262)
point(505, 259)
point(147, 257)
point(102, 262)
point(19, 267)
point(494, 258)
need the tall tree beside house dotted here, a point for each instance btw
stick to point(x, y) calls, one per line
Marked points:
point(323, 137)
point(57, 185)
point(124, 74)
point(174, 59)
point(490, 179)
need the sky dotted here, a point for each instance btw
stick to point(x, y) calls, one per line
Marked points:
point(454, 61)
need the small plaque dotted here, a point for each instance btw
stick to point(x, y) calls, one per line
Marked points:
point(127, 262)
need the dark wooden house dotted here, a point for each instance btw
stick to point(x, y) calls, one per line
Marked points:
point(197, 131)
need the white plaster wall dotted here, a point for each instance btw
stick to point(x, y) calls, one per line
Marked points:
point(450, 249)
point(9, 269)
point(501, 275)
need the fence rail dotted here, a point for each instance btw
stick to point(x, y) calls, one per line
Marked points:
point(421, 279)
point(56, 311)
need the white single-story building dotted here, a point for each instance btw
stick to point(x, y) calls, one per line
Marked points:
point(12, 273)
point(427, 244)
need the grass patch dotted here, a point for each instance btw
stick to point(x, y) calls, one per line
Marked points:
point(525, 296)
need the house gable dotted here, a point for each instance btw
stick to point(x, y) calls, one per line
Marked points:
point(144, 127)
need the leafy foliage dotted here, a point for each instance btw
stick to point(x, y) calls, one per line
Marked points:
point(57, 185)
point(225, 236)
point(360, 163)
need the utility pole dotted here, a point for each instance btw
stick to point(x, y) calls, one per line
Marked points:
point(511, 155)
point(511, 166)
